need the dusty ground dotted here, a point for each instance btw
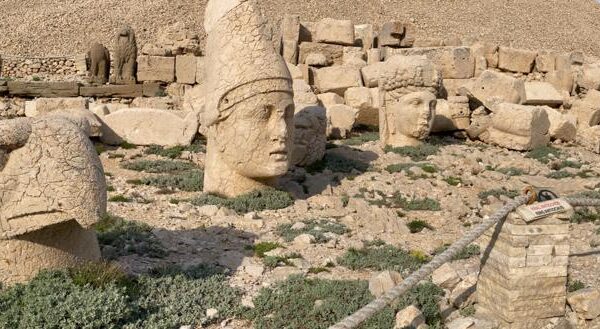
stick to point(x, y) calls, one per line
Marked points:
point(195, 235)
point(57, 27)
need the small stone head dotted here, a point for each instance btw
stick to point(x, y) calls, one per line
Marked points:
point(413, 114)
point(255, 126)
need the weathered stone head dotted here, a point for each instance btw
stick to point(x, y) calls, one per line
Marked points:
point(52, 190)
point(408, 86)
point(249, 105)
point(125, 57)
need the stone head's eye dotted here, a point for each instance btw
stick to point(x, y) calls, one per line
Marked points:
point(266, 111)
point(415, 102)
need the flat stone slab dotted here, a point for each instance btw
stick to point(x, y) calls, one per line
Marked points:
point(124, 91)
point(541, 93)
point(43, 89)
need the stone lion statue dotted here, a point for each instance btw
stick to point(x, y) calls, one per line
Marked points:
point(52, 190)
point(99, 63)
point(125, 57)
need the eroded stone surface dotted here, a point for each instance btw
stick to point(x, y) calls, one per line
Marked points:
point(125, 57)
point(519, 127)
point(99, 59)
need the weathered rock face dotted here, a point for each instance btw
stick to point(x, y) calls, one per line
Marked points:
point(146, 126)
point(587, 109)
point(586, 303)
point(99, 69)
point(125, 57)
point(409, 86)
point(516, 60)
point(174, 40)
point(335, 31)
point(493, 88)
point(310, 135)
point(519, 127)
point(249, 88)
point(52, 190)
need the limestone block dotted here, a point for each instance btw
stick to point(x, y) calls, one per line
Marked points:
point(461, 323)
point(562, 126)
point(383, 282)
point(445, 277)
point(519, 127)
point(589, 138)
point(373, 56)
point(464, 293)
point(200, 69)
point(354, 57)
point(316, 59)
point(43, 89)
point(337, 79)
point(42, 106)
point(452, 86)
point(330, 99)
point(335, 31)
point(152, 89)
point(295, 71)
point(144, 126)
point(452, 62)
point(48, 230)
point(488, 50)
point(340, 120)
point(364, 36)
point(396, 34)
point(310, 134)
point(494, 88)
point(541, 93)
point(516, 60)
point(334, 53)
point(410, 317)
point(545, 61)
point(120, 91)
point(159, 103)
point(590, 77)
point(586, 303)
point(303, 93)
point(452, 114)
point(587, 109)
point(290, 31)
point(361, 98)
point(185, 69)
point(371, 73)
point(562, 80)
point(156, 68)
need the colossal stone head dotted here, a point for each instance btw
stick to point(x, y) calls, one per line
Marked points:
point(249, 108)
point(52, 190)
point(408, 86)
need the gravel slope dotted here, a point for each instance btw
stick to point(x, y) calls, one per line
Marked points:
point(59, 27)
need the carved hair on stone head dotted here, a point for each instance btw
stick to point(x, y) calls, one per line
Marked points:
point(248, 90)
point(410, 74)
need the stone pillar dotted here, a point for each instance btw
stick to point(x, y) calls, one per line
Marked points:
point(523, 275)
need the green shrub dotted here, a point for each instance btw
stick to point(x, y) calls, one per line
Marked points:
point(263, 247)
point(416, 153)
point(511, 171)
point(274, 261)
point(453, 181)
point(359, 139)
point(559, 174)
point(316, 228)
point(566, 164)
point(119, 198)
point(189, 181)
point(159, 166)
point(542, 154)
point(337, 163)
point(86, 298)
point(575, 285)
point(119, 237)
point(268, 199)
point(317, 270)
point(467, 252)
point(468, 311)
point(127, 146)
point(110, 188)
point(380, 258)
point(498, 192)
point(426, 297)
point(584, 215)
point(197, 146)
point(426, 167)
point(291, 304)
point(416, 204)
point(417, 226)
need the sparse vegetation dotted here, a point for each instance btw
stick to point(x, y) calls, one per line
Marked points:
point(159, 166)
point(119, 198)
point(418, 225)
point(359, 139)
point(468, 252)
point(317, 270)
point(566, 164)
point(416, 204)
point(127, 146)
point(261, 248)
point(337, 163)
point(197, 146)
point(380, 258)
point(188, 181)
point(99, 296)
point(316, 228)
point(497, 193)
point(119, 237)
point(268, 199)
point(511, 171)
point(100, 148)
point(575, 285)
point(544, 154)
point(453, 181)
point(468, 311)
point(274, 261)
point(405, 167)
point(419, 153)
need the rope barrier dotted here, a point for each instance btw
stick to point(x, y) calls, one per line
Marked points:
point(365, 313)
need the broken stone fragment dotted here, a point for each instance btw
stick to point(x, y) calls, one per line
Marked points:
point(493, 88)
point(337, 79)
point(562, 126)
point(519, 127)
point(335, 31)
point(340, 120)
point(586, 303)
point(516, 60)
point(541, 93)
point(410, 317)
point(587, 109)
point(452, 114)
point(361, 98)
point(383, 282)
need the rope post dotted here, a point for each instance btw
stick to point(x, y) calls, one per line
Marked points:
point(523, 275)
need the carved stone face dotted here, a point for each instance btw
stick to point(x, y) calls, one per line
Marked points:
point(255, 140)
point(413, 114)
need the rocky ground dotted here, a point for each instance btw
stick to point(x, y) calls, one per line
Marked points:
point(360, 194)
point(56, 27)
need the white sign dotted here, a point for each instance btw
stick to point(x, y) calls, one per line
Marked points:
point(539, 210)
